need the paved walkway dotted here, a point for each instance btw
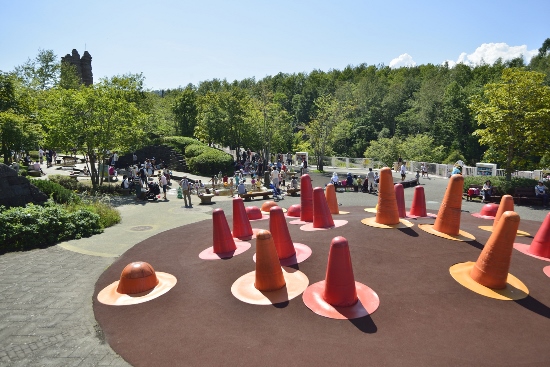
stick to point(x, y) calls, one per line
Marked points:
point(46, 315)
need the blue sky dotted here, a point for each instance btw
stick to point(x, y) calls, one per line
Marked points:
point(174, 43)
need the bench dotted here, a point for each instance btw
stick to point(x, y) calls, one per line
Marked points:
point(409, 183)
point(469, 195)
point(292, 192)
point(34, 173)
point(249, 195)
point(526, 194)
point(206, 198)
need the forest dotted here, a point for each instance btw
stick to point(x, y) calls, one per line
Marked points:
point(496, 113)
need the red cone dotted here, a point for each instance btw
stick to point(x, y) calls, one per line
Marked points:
point(280, 233)
point(541, 243)
point(339, 281)
point(223, 240)
point(321, 213)
point(418, 207)
point(306, 199)
point(294, 211)
point(400, 197)
point(241, 224)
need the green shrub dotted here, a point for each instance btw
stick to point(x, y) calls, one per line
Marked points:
point(57, 192)
point(180, 143)
point(211, 162)
point(195, 150)
point(25, 228)
point(500, 184)
point(67, 182)
point(108, 216)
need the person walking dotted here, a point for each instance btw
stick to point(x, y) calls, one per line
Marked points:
point(164, 183)
point(403, 171)
point(186, 191)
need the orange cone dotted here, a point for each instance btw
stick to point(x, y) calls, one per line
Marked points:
point(268, 205)
point(418, 206)
point(541, 243)
point(506, 204)
point(330, 194)
point(491, 268)
point(448, 217)
point(241, 224)
point(223, 240)
point(387, 212)
point(306, 199)
point(269, 274)
point(321, 213)
point(400, 199)
point(280, 233)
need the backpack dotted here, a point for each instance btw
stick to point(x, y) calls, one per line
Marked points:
point(184, 185)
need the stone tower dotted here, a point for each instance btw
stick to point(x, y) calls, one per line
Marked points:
point(83, 65)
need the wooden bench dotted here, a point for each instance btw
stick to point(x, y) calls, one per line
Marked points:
point(494, 198)
point(206, 198)
point(292, 192)
point(526, 194)
point(409, 183)
point(249, 195)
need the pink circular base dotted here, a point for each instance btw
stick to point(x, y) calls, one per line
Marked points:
point(308, 227)
point(254, 233)
point(302, 253)
point(521, 247)
point(264, 217)
point(479, 215)
point(299, 222)
point(430, 215)
point(367, 304)
point(209, 254)
point(546, 271)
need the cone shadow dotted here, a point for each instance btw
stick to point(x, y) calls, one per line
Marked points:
point(275, 296)
point(409, 232)
point(534, 305)
point(365, 324)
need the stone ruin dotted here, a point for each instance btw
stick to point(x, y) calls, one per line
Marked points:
point(83, 65)
point(17, 190)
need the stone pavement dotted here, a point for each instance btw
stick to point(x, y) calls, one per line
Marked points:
point(46, 315)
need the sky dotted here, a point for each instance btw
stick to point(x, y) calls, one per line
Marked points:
point(174, 43)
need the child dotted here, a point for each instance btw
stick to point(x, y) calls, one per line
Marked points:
point(259, 184)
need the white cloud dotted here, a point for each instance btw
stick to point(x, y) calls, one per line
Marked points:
point(402, 60)
point(490, 52)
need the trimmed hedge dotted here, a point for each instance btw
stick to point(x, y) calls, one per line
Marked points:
point(57, 192)
point(25, 228)
point(180, 143)
point(210, 162)
point(195, 150)
point(500, 183)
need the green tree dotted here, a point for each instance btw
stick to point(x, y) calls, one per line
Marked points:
point(384, 150)
point(42, 72)
point(94, 120)
point(185, 110)
point(514, 118)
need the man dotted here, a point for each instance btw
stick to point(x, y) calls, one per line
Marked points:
point(115, 159)
point(164, 183)
point(275, 177)
point(403, 171)
point(186, 191)
point(370, 180)
point(241, 189)
point(540, 192)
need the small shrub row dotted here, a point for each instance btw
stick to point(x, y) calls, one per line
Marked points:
point(57, 192)
point(195, 150)
point(108, 216)
point(25, 228)
point(210, 162)
point(180, 143)
point(500, 184)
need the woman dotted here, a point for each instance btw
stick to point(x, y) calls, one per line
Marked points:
point(487, 191)
point(334, 179)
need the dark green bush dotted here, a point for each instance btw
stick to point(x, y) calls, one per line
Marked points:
point(57, 192)
point(179, 143)
point(500, 183)
point(25, 228)
point(195, 150)
point(211, 162)
point(67, 182)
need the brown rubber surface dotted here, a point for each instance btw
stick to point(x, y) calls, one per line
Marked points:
point(425, 317)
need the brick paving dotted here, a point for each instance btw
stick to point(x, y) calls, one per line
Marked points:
point(46, 316)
